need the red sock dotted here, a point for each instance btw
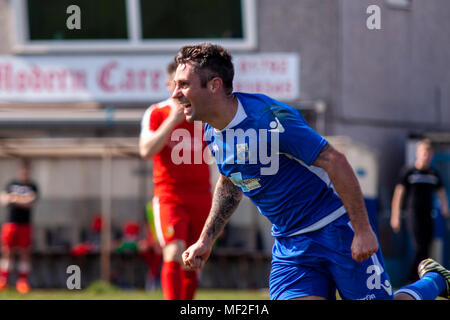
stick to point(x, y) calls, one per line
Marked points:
point(171, 280)
point(155, 266)
point(4, 274)
point(190, 284)
point(23, 275)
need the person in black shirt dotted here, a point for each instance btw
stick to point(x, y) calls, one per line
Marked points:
point(19, 196)
point(414, 193)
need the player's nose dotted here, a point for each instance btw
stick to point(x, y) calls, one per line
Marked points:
point(176, 94)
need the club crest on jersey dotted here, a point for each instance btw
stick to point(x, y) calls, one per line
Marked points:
point(242, 151)
point(170, 231)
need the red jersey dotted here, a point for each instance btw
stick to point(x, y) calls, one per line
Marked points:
point(179, 168)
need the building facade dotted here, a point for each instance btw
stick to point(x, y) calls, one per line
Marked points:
point(376, 86)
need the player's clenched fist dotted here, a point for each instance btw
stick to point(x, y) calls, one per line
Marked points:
point(194, 258)
point(364, 245)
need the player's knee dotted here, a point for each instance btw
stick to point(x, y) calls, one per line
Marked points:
point(403, 296)
point(173, 251)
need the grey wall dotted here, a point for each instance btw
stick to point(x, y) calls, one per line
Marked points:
point(393, 81)
point(309, 27)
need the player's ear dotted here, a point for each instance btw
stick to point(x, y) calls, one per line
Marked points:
point(215, 84)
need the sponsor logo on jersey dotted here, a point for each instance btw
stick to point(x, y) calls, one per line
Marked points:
point(170, 231)
point(374, 280)
point(242, 151)
point(423, 178)
point(276, 126)
point(245, 184)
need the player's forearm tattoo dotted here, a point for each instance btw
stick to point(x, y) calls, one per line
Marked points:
point(225, 201)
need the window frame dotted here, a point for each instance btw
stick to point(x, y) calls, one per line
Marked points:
point(134, 43)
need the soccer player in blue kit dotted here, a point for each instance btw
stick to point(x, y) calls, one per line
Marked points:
point(264, 149)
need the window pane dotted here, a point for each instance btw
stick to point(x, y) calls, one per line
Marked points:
point(178, 19)
point(100, 19)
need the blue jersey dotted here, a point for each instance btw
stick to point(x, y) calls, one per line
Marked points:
point(268, 151)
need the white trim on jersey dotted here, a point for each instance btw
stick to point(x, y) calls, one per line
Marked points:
point(412, 293)
point(322, 222)
point(238, 117)
point(157, 218)
point(322, 175)
point(319, 172)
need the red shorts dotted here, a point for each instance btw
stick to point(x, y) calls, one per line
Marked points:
point(177, 219)
point(16, 235)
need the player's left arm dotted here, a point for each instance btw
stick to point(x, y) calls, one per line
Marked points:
point(5, 198)
point(443, 201)
point(226, 199)
point(347, 186)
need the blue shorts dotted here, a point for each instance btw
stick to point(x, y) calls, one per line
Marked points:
point(320, 262)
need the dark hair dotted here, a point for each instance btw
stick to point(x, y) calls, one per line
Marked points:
point(209, 61)
point(172, 67)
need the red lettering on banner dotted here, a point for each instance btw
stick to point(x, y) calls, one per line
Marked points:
point(248, 66)
point(288, 87)
point(45, 79)
point(266, 65)
point(38, 80)
point(154, 79)
point(141, 75)
point(266, 87)
point(140, 80)
point(50, 77)
point(21, 81)
point(275, 65)
point(78, 80)
point(129, 81)
point(62, 79)
point(5, 77)
point(104, 76)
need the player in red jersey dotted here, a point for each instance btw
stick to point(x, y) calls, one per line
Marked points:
point(19, 196)
point(182, 193)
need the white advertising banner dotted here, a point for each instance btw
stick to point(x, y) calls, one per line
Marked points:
point(124, 79)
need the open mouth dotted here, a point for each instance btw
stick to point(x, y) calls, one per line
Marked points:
point(187, 107)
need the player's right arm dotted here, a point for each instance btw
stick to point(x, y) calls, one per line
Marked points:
point(226, 199)
point(22, 200)
point(396, 205)
point(151, 144)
